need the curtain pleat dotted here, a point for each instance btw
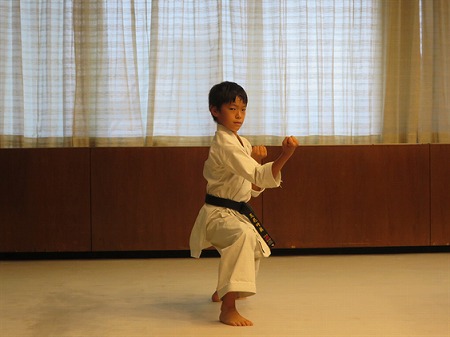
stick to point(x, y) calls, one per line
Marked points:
point(416, 107)
point(434, 118)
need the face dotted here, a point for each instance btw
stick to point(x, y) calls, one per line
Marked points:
point(231, 115)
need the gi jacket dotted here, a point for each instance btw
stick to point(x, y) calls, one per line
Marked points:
point(230, 172)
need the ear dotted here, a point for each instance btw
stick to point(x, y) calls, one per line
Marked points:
point(214, 111)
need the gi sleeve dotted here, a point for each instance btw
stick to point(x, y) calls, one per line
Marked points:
point(241, 163)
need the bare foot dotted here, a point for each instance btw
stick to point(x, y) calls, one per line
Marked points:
point(233, 318)
point(229, 314)
point(215, 297)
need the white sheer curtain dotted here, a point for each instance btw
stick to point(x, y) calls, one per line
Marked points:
point(36, 71)
point(137, 72)
point(315, 70)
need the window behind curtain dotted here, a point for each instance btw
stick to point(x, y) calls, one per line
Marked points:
point(142, 70)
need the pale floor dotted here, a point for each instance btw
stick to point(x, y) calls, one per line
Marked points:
point(328, 295)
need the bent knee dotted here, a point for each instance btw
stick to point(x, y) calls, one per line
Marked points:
point(247, 236)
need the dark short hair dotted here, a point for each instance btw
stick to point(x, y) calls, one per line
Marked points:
point(226, 92)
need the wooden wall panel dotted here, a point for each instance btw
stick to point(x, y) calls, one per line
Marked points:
point(44, 200)
point(440, 194)
point(123, 199)
point(145, 198)
point(351, 196)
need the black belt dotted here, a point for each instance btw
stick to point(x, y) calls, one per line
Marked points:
point(243, 208)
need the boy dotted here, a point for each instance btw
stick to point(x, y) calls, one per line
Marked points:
point(234, 172)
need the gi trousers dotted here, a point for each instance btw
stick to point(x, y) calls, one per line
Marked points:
point(240, 248)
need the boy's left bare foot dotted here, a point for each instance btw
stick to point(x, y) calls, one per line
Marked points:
point(229, 314)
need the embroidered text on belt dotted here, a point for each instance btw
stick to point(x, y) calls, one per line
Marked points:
point(245, 209)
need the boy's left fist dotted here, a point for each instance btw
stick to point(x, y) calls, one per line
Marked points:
point(259, 152)
point(289, 145)
point(291, 141)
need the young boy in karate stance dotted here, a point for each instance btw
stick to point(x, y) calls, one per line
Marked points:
point(233, 171)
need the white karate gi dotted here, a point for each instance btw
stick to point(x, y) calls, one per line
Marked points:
point(230, 172)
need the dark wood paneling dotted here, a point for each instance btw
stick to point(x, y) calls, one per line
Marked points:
point(440, 194)
point(351, 196)
point(148, 198)
point(44, 200)
point(145, 198)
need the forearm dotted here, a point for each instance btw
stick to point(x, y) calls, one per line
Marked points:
point(289, 145)
point(279, 163)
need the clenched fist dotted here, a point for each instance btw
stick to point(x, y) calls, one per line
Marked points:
point(259, 152)
point(289, 145)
